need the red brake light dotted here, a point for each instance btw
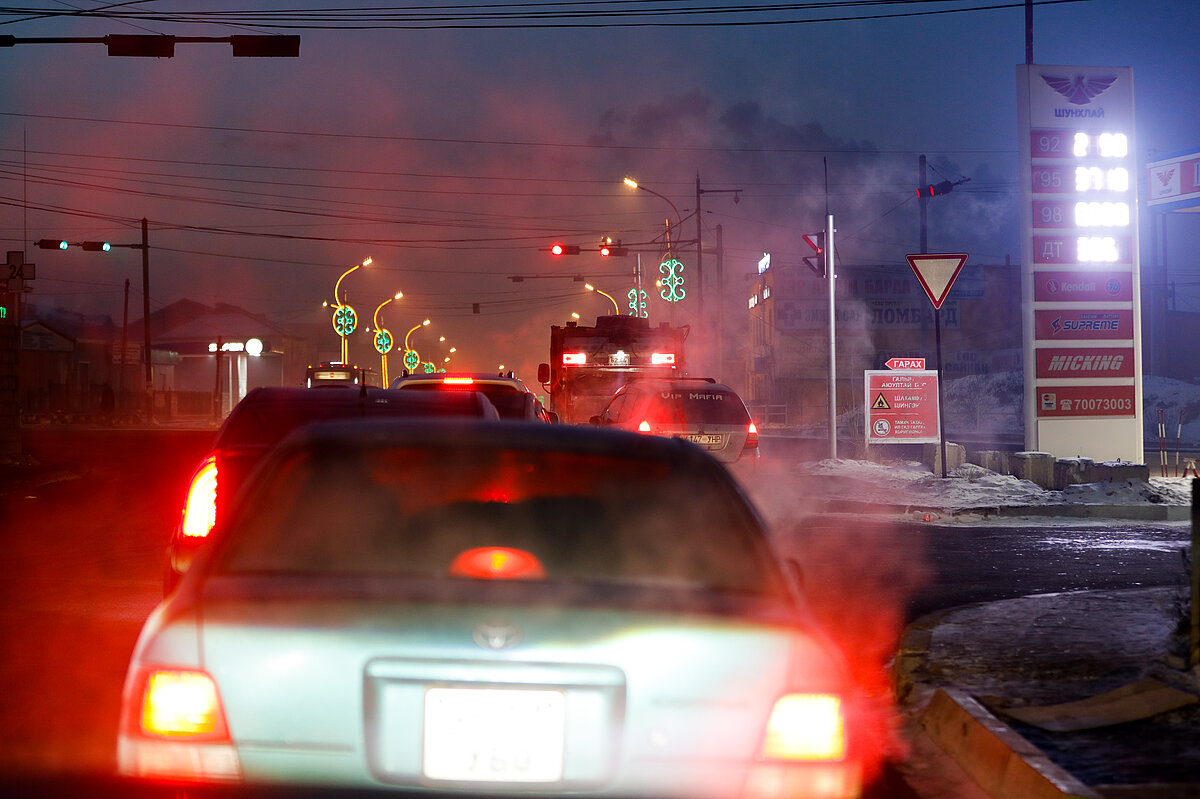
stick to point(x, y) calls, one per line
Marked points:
point(806, 727)
point(200, 508)
point(662, 358)
point(497, 563)
point(458, 381)
point(174, 729)
point(751, 437)
point(574, 359)
point(644, 427)
point(182, 704)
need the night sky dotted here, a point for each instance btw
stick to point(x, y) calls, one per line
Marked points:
point(453, 156)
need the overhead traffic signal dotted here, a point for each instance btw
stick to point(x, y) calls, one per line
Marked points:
point(609, 249)
point(945, 187)
point(59, 244)
point(816, 262)
point(564, 249)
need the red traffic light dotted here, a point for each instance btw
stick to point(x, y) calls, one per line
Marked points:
point(608, 249)
point(945, 187)
point(564, 249)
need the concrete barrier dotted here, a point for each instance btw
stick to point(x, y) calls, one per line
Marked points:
point(1036, 467)
point(956, 455)
point(992, 460)
point(1073, 471)
point(1120, 471)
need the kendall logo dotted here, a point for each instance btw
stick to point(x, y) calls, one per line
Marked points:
point(1081, 89)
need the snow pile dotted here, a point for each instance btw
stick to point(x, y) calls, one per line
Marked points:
point(971, 486)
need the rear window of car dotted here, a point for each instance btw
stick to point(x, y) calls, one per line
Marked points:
point(509, 400)
point(582, 517)
point(264, 424)
point(691, 405)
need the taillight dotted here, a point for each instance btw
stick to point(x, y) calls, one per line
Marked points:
point(200, 508)
point(182, 704)
point(751, 437)
point(806, 727)
point(458, 381)
point(177, 731)
point(497, 563)
point(644, 427)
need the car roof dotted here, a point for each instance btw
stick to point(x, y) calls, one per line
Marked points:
point(267, 414)
point(470, 433)
point(478, 377)
point(707, 383)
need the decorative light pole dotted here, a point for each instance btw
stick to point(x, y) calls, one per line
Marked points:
point(411, 358)
point(345, 320)
point(383, 337)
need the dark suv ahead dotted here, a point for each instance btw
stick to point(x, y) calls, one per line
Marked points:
point(700, 409)
point(263, 418)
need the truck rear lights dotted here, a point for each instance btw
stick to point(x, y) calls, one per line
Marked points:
point(662, 358)
point(574, 359)
point(200, 508)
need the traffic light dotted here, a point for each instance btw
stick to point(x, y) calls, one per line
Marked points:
point(564, 249)
point(97, 246)
point(816, 262)
point(51, 244)
point(945, 187)
point(609, 249)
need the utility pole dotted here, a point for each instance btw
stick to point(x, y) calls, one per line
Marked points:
point(700, 192)
point(829, 274)
point(145, 247)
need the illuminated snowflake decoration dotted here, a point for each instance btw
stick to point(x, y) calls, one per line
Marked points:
point(411, 359)
point(428, 367)
point(383, 341)
point(637, 305)
point(344, 320)
point(672, 281)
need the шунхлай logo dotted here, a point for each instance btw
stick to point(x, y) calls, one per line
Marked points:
point(1081, 89)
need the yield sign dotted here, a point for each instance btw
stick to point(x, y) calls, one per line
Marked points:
point(937, 273)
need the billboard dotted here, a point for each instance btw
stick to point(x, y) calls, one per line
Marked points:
point(1079, 239)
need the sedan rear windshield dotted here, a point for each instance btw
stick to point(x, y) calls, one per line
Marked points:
point(509, 400)
point(561, 516)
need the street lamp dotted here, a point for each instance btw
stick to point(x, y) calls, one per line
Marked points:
point(411, 359)
point(383, 337)
point(616, 308)
point(344, 318)
point(633, 184)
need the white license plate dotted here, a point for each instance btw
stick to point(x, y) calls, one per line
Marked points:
point(494, 735)
point(705, 439)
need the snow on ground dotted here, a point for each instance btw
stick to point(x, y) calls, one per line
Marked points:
point(970, 486)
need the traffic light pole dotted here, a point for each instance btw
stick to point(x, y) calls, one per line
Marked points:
point(830, 277)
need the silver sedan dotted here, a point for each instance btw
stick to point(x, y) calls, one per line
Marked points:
point(492, 608)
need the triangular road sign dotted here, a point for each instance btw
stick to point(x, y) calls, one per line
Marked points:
point(880, 404)
point(937, 273)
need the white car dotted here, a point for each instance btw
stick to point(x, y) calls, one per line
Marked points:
point(492, 608)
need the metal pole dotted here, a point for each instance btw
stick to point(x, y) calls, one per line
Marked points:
point(1028, 31)
point(124, 346)
point(146, 320)
point(720, 300)
point(937, 335)
point(1194, 660)
point(832, 336)
point(699, 253)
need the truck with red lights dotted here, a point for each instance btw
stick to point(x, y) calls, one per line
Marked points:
point(588, 364)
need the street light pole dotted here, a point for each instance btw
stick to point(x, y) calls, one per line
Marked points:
point(616, 308)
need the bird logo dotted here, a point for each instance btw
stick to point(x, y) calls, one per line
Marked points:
point(1081, 89)
point(1164, 176)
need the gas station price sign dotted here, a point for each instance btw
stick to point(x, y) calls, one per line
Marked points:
point(1079, 243)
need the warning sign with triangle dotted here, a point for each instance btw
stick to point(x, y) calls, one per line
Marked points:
point(880, 404)
point(937, 273)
